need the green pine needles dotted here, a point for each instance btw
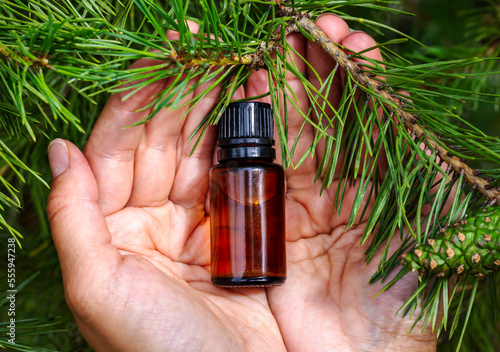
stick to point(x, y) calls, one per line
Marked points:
point(58, 60)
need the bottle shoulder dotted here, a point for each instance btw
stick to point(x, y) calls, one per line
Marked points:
point(241, 166)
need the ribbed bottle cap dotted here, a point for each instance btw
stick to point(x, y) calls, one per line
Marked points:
point(246, 130)
point(247, 120)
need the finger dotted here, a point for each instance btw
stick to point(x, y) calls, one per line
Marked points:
point(157, 157)
point(358, 41)
point(298, 132)
point(79, 230)
point(112, 144)
point(322, 66)
point(258, 84)
point(336, 29)
point(190, 185)
point(238, 94)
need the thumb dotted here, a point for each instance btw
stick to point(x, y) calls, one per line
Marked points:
point(79, 229)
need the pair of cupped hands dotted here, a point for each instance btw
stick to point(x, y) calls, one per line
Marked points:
point(130, 222)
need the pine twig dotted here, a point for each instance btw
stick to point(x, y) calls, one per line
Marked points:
point(36, 61)
point(393, 105)
point(224, 61)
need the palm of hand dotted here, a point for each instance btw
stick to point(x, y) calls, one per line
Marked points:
point(325, 304)
point(154, 293)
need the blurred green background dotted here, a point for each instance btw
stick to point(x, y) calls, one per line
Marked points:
point(449, 29)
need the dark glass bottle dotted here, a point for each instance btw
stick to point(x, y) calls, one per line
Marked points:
point(247, 195)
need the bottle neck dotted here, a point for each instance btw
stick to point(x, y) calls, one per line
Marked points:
point(246, 148)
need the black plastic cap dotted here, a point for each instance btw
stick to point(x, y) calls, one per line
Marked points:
point(246, 130)
point(247, 120)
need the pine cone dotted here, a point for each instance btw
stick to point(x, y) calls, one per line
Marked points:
point(471, 246)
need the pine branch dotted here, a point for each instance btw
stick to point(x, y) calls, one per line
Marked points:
point(395, 106)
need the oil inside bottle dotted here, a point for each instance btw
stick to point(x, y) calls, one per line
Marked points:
point(248, 242)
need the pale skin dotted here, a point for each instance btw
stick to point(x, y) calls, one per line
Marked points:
point(130, 222)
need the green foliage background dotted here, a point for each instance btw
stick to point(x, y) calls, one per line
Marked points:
point(450, 29)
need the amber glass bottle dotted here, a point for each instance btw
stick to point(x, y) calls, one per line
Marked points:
point(247, 193)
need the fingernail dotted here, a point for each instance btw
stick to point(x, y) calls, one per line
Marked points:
point(356, 31)
point(58, 157)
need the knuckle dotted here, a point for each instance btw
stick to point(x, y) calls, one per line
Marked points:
point(55, 204)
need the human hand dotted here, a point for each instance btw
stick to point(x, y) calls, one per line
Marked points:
point(131, 228)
